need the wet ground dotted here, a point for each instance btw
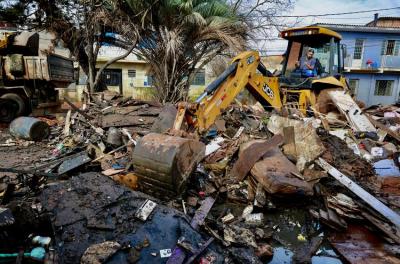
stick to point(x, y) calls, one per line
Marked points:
point(293, 232)
point(20, 156)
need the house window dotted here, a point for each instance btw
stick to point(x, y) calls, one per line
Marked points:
point(200, 78)
point(390, 44)
point(353, 85)
point(148, 80)
point(358, 49)
point(131, 73)
point(383, 88)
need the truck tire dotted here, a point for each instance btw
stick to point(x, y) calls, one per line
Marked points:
point(7, 110)
point(19, 102)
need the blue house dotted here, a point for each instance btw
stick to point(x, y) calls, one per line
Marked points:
point(372, 62)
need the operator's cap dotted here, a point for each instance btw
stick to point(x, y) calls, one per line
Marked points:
point(311, 49)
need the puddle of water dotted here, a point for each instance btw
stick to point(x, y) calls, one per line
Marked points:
point(281, 255)
point(293, 229)
point(291, 225)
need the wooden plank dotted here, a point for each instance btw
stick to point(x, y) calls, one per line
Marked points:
point(67, 124)
point(384, 128)
point(201, 213)
point(354, 115)
point(289, 147)
point(388, 213)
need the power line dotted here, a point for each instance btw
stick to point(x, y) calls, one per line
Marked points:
point(329, 14)
point(364, 17)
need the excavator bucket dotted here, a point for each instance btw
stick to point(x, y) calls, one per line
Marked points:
point(163, 163)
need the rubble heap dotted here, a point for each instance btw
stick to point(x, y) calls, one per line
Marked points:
point(272, 187)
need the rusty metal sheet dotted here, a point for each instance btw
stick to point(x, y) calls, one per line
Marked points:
point(359, 245)
point(277, 174)
point(73, 163)
point(249, 156)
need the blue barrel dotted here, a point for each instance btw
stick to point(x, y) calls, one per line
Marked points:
point(29, 128)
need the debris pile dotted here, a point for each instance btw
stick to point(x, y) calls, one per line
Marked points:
point(268, 187)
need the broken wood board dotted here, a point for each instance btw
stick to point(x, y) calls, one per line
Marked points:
point(201, 213)
point(67, 124)
point(354, 115)
point(178, 254)
point(384, 128)
point(307, 142)
point(111, 172)
point(289, 140)
point(251, 153)
point(388, 213)
point(360, 245)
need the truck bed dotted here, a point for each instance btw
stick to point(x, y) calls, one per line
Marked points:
point(52, 67)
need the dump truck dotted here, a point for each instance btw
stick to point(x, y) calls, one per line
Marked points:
point(164, 162)
point(30, 74)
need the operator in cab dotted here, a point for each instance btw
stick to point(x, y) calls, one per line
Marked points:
point(307, 64)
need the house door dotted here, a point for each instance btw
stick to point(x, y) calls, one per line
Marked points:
point(113, 79)
point(358, 54)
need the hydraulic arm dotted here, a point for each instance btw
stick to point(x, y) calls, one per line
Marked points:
point(245, 72)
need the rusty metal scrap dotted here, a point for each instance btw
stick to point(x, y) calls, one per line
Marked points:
point(166, 161)
point(275, 173)
point(251, 155)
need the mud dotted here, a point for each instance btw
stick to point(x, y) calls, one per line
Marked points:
point(91, 208)
point(21, 156)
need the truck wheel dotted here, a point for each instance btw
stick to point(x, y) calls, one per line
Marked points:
point(20, 104)
point(7, 110)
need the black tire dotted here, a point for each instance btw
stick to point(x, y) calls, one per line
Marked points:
point(8, 110)
point(21, 106)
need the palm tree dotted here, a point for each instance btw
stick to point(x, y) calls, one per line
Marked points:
point(181, 36)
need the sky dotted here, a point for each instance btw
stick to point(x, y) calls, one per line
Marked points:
point(307, 7)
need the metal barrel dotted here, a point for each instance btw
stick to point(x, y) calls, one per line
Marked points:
point(29, 128)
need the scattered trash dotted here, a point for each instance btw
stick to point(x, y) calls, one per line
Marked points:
point(6, 217)
point(254, 188)
point(100, 253)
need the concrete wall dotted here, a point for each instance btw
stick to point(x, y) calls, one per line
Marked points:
point(373, 43)
point(136, 87)
point(366, 88)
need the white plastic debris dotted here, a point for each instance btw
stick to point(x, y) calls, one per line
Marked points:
point(165, 253)
point(145, 210)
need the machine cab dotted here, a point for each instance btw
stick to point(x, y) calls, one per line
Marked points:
point(312, 52)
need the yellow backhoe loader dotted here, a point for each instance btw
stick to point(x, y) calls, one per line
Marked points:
point(163, 162)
